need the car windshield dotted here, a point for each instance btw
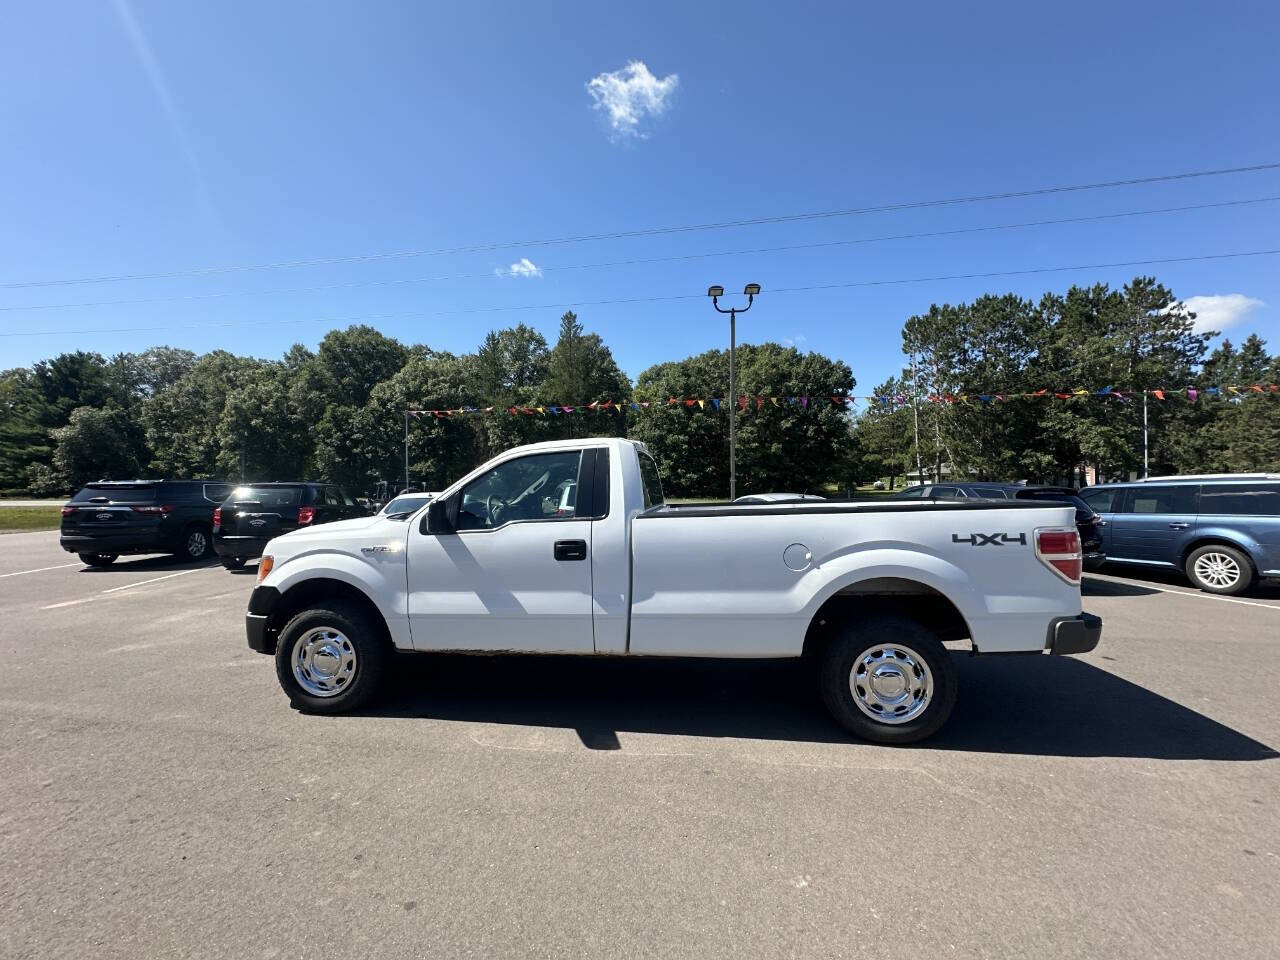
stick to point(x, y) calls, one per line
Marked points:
point(267, 496)
point(403, 506)
point(116, 494)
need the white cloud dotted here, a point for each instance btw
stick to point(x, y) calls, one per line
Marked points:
point(524, 267)
point(628, 96)
point(1220, 311)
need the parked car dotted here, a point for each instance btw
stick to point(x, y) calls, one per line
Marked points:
point(1221, 530)
point(253, 514)
point(869, 590)
point(407, 504)
point(1088, 523)
point(114, 517)
point(777, 497)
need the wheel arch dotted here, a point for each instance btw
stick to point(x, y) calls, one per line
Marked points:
point(1215, 538)
point(316, 592)
point(886, 594)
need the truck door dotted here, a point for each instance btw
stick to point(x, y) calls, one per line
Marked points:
point(515, 572)
point(1152, 522)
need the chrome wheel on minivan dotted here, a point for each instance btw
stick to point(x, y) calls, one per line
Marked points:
point(1217, 568)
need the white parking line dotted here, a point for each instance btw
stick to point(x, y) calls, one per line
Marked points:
point(126, 586)
point(1189, 593)
point(60, 566)
point(167, 576)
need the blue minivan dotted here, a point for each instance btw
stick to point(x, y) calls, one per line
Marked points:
point(1222, 530)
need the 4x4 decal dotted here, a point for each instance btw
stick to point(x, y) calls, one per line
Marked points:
point(989, 539)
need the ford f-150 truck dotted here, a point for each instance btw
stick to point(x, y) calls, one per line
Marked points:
point(568, 548)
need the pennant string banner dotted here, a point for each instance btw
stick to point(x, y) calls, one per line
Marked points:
point(850, 401)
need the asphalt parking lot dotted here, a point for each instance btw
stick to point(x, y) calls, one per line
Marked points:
point(159, 798)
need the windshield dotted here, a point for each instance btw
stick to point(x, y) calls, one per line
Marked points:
point(406, 504)
point(267, 496)
point(133, 494)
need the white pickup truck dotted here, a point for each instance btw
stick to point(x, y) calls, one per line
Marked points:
point(568, 548)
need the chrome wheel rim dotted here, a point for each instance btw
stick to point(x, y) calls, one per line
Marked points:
point(197, 544)
point(891, 683)
point(324, 662)
point(1217, 569)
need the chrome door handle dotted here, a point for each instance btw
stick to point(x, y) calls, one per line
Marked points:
point(1179, 526)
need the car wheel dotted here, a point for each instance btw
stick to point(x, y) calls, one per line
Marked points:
point(98, 559)
point(196, 543)
point(233, 563)
point(1217, 568)
point(331, 659)
point(888, 679)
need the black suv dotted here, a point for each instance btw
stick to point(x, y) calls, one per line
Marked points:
point(1088, 523)
point(254, 513)
point(107, 519)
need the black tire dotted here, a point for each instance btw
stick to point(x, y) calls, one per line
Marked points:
point(367, 643)
point(98, 559)
point(862, 638)
point(233, 563)
point(197, 543)
point(1220, 562)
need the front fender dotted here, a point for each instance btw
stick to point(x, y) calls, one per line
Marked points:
point(382, 578)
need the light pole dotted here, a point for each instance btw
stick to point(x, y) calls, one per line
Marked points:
point(715, 293)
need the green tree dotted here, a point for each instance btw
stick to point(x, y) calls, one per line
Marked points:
point(794, 444)
point(96, 444)
point(581, 370)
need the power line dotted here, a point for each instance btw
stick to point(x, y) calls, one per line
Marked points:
point(655, 299)
point(650, 231)
point(347, 285)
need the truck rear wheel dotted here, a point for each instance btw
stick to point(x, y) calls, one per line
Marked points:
point(331, 659)
point(888, 679)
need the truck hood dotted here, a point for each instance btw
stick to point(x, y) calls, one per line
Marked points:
point(345, 536)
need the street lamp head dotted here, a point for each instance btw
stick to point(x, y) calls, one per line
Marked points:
point(751, 289)
point(716, 291)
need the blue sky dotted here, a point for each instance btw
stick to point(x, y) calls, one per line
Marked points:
point(158, 137)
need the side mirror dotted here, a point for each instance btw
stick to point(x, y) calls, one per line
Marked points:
point(437, 519)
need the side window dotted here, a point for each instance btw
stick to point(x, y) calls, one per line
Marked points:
point(911, 493)
point(345, 497)
point(331, 498)
point(991, 493)
point(650, 482)
point(538, 487)
point(1240, 499)
point(947, 493)
point(1180, 499)
point(1103, 500)
point(217, 492)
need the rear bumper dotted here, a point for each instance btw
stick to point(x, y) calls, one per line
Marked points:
point(238, 546)
point(148, 542)
point(257, 619)
point(1074, 634)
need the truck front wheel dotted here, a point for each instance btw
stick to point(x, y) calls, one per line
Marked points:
point(888, 679)
point(331, 659)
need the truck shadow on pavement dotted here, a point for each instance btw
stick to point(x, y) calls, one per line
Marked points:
point(1050, 706)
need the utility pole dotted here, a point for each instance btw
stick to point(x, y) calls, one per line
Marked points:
point(406, 449)
point(1146, 467)
point(715, 293)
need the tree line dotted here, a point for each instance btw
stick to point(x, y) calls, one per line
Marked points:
point(1138, 337)
point(337, 413)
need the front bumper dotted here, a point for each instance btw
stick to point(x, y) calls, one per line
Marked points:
point(1074, 634)
point(257, 619)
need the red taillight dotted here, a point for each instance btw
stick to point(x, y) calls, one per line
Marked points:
point(217, 516)
point(167, 508)
point(68, 511)
point(1060, 550)
point(306, 515)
